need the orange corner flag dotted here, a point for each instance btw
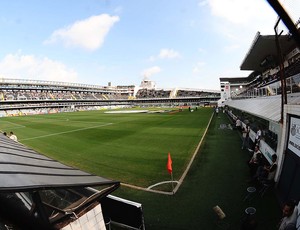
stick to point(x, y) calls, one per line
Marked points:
point(169, 164)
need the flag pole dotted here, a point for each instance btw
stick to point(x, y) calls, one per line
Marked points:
point(172, 182)
point(170, 170)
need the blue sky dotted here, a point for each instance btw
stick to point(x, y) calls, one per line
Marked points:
point(176, 43)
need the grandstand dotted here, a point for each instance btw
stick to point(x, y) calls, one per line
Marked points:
point(264, 62)
point(23, 97)
point(269, 98)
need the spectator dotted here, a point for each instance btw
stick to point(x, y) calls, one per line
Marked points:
point(217, 111)
point(245, 134)
point(13, 136)
point(258, 136)
point(238, 123)
point(255, 161)
point(289, 216)
point(266, 174)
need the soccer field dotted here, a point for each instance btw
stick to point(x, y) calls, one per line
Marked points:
point(129, 147)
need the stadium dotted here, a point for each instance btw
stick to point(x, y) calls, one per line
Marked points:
point(142, 157)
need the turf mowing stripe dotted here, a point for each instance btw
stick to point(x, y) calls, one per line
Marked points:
point(193, 157)
point(149, 189)
point(71, 131)
point(15, 126)
point(62, 120)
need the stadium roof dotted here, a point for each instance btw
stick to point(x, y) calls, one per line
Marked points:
point(235, 79)
point(263, 52)
point(23, 169)
point(268, 108)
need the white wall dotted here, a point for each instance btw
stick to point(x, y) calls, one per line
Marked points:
point(292, 110)
point(92, 220)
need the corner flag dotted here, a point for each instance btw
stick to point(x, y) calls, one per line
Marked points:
point(169, 164)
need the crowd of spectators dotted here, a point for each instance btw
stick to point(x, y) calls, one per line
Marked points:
point(269, 84)
point(194, 93)
point(8, 95)
point(153, 93)
point(24, 98)
point(161, 93)
point(260, 127)
point(56, 92)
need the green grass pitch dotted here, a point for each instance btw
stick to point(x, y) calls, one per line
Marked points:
point(129, 147)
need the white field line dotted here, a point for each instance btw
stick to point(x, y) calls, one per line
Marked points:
point(146, 189)
point(163, 182)
point(71, 131)
point(184, 173)
point(193, 157)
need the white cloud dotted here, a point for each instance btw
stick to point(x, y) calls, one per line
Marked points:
point(237, 22)
point(21, 66)
point(251, 15)
point(231, 47)
point(292, 7)
point(198, 67)
point(201, 50)
point(168, 54)
point(88, 34)
point(202, 3)
point(151, 71)
point(241, 11)
point(118, 10)
point(165, 54)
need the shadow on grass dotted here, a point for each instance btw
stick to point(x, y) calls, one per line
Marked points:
point(218, 176)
